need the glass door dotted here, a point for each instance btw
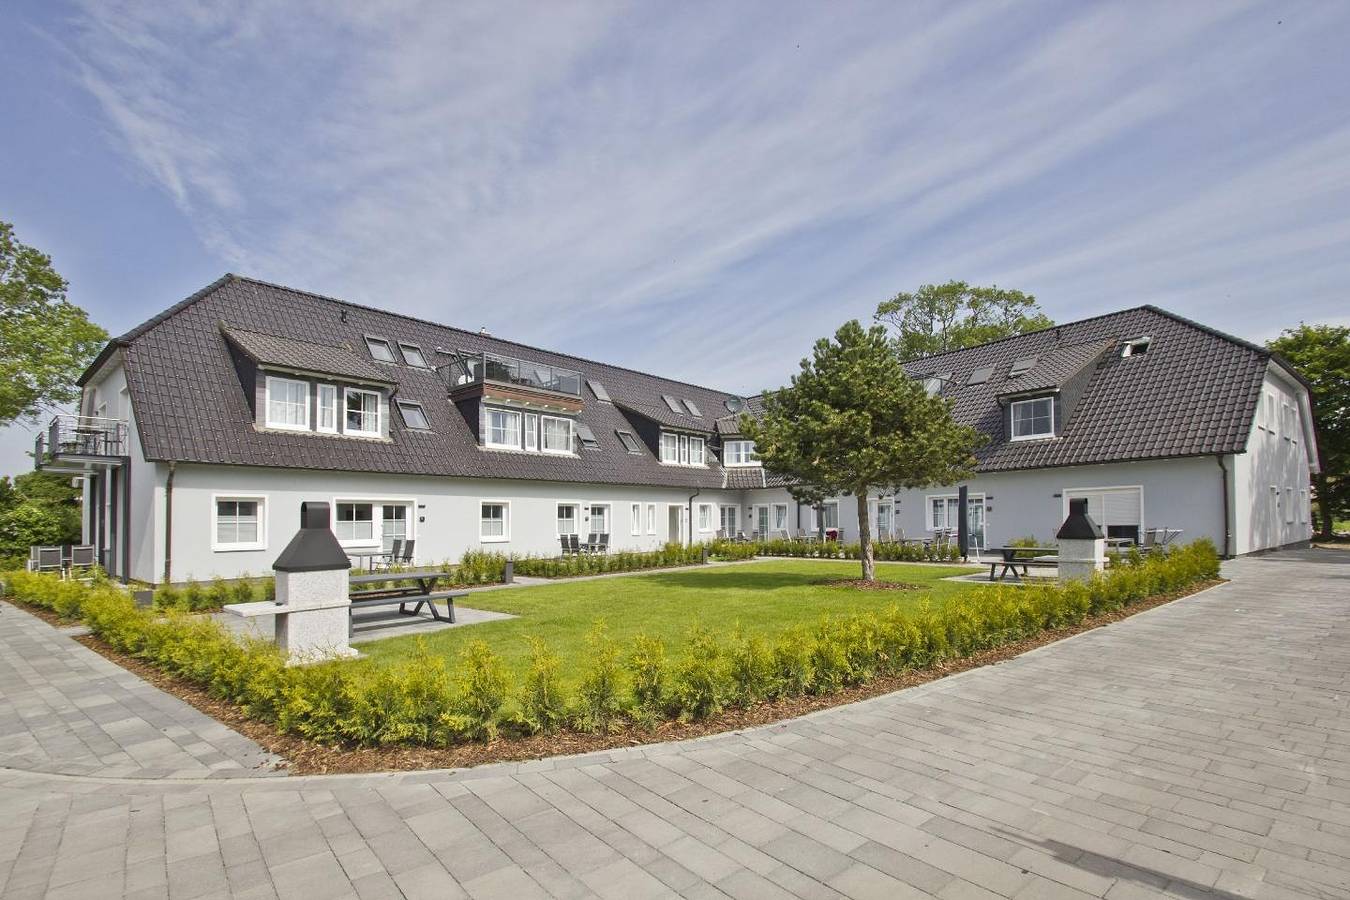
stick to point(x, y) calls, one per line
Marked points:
point(762, 520)
point(730, 520)
point(394, 526)
point(884, 519)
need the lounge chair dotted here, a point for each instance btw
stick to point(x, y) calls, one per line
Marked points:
point(49, 560)
point(574, 544)
point(603, 545)
point(592, 540)
point(82, 560)
point(566, 548)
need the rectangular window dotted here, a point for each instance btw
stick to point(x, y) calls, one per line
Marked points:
point(684, 450)
point(287, 403)
point(1303, 507)
point(670, 447)
point(380, 349)
point(557, 434)
point(705, 517)
point(355, 523)
point(670, 402)
point(1269, 412)
point(637, 518)
point(414, 416)
point(780, 516)
point(394, 524)
point(1289, 507)
point(629, 442)
point(412, 355)
point(495, 521)
point(730, 518)
point(567, 518)
point(693, 409)
point(328, 413)
point(651, 518)
point(531, 431)
point(600, 518)
point(239, 524)
point(1033, 418)
point(696, 451)
point(363, 412)
point(739, 453)
point(503, 428)
point(831, 511)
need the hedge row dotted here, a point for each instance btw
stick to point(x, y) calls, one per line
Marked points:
point(887, 552)
point(423, 701)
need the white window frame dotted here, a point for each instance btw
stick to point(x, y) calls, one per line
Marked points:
point(774, 517)
point(543, 430)
point(267, 401)
point(651, 518)
point(362, 432)
point(530, 422)
point(739, 453)
point(377, 503)
point(331, 391)
point(702, 446)
point(735, 515)
point(375, 539)
point(1012, 420)
point(670, 441)
point(505, 536)
point(636, 524)
point(219, 546)
point(1289, 507)
point(815, 515)
point(705, 519)
point(930, 524)
point(576, 507)
point(609, 518)
point(487, 431)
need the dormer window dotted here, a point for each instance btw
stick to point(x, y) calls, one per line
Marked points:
point(363, 412)
point(557, 434)
point(683, 449)
point(1033, 418)
point(739, 453)
point(287, 403)
point(380, 350)
point(412, 355)
point(1137, 347)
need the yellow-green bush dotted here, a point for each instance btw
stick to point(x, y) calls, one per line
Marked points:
point(421, 700)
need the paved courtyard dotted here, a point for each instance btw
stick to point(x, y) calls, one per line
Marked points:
point(1197, 750)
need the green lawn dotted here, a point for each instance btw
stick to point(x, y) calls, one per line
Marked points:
point(766, 596)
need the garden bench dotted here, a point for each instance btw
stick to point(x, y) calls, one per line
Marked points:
point(402, 596)
point(1012, 558)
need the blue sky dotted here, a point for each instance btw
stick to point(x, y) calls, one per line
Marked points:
point(696, 189)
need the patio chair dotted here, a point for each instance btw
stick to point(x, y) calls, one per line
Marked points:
point(721, 534)
point(566, 548)
point(783, 535)
point(49, 560)
point(591, 540)
point(741, 538)
point(407, 557)
point(603, 545)
point(392, 556)
point(33, 557)
point(574, 544)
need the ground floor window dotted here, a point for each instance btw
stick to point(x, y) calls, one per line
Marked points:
point(599, 518)
point(944, 514)
point(705, 517)
point(1118, 510)
point(780, 516)
point(494, 521)
point(568, 513)
point(372, 522)
point(394, 525)
point(730, 520)
point(238, 524)
point(827, 516)
point(636, 525)
point(355, 523)
point(885, 510)
point(651, 518)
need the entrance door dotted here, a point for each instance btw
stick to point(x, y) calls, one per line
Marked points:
point(730, 520)
point(674, 518)
point(975, 521)
point(884, 519)
point(762, 521)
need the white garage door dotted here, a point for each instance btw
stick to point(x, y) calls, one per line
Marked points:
point(1119, 510)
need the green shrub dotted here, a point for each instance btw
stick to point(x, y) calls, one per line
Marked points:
point(700, 684)
point(751, 667)
point(792, 662)
point(650, 676)
point(542, 704)
point(481, 679)
point(599, 703)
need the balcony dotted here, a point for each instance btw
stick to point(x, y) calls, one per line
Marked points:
point(71, 443)
point(474, 369)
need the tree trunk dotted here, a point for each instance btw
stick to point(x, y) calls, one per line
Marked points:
point(1324, 506)
point(869, 566)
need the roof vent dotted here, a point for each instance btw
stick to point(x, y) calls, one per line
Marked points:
point(981, 375)
point(1022, 366)
point(1136, 347)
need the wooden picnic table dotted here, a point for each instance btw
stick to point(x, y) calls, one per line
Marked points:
point(1011, 561)
point(419, 594)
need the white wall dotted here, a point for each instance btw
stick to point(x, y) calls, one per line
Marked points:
point(1178, 493)
point(1271, 480)
point(445, 521)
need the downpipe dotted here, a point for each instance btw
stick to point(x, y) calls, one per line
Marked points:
point(168, 523)
point(1227, 513)
point(690, 504)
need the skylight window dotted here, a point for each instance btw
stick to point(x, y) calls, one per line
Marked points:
point(693, 410)
point(587, 436)
point(1137, 347)
point(980, 375)
point(629, 442)
point(412, 355)
point(1022, 366)
point(380, 350)
point(673, 404)
point(599, 391)
point(932, 384)
point(414, 416)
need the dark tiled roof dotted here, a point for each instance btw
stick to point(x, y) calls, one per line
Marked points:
point(1193, 392)
point(742, 478)
point(190, 405)
point(659, 412)
point(303, 356)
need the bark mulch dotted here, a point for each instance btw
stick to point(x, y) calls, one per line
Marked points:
point(309, 758)
point(862, 585)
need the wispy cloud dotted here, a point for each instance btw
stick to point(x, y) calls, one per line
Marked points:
point(703, 189)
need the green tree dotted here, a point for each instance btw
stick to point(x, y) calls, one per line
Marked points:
point(853, 420)
point(37, 508)
point(45, 340)
point(1321, 353)
point(941, 317)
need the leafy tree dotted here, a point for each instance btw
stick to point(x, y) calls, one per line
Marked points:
point(941, 317)
point(37, 508)
point(1321, 353)
point(853, 420)
point(45, 340)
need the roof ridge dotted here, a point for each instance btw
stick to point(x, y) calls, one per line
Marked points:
point(422, 321)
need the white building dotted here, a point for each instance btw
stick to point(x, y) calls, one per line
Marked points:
point(202, 430)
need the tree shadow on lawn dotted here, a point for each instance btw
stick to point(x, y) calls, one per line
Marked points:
point(746, 579)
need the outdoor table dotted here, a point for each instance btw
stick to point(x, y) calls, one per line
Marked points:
point(1011, 560)
point(420, 595)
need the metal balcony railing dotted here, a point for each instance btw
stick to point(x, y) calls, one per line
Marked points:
point(473, 368)
point(69, 435)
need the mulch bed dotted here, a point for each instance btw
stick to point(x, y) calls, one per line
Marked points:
point(862, 585)
point(309, 758)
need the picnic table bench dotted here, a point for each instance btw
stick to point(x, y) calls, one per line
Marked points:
point(421, 593)
point(1041, 558)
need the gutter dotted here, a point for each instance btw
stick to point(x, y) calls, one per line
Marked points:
point(690, 503)
point(168, 523)
point(1227, 513)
